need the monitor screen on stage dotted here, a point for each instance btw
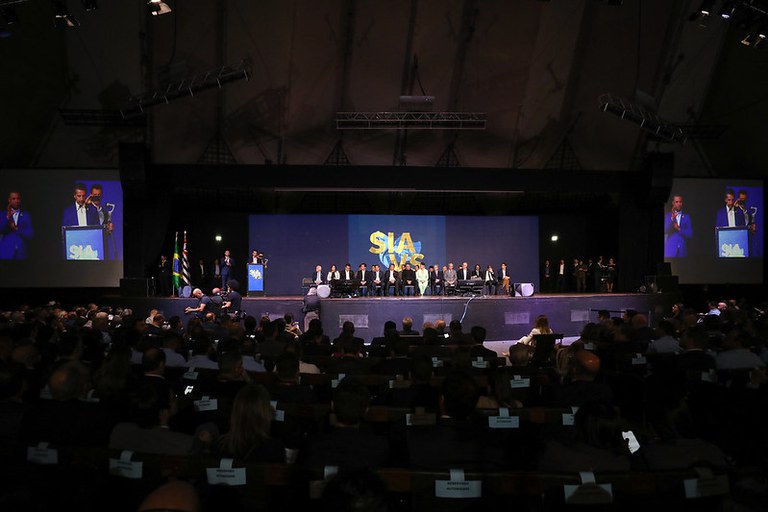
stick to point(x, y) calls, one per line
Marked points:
point(61, 228)
point(295, 244)
point(713, 231)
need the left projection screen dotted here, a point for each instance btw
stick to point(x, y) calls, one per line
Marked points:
point(61, 228)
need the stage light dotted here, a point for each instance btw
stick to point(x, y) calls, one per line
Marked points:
point(554, 238)
point(61, 16)
point(90, 5)
point(727, 10)
point(706, 7)
point(753, 40)
point(217, 238)
point(158, 7)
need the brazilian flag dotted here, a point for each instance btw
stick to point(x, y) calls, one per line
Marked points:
point(176, 263)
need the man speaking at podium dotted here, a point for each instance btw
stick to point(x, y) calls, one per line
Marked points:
point(80, 214)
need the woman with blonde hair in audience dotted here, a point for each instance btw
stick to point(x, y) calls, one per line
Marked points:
point(248, 438)
point(540, 326)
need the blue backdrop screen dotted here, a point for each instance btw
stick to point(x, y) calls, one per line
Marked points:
point(295, 244)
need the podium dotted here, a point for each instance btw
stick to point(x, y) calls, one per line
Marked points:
point(256, 280)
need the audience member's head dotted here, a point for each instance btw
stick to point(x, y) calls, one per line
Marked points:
point(459, 395)
point(69, 381)
point(350, 402)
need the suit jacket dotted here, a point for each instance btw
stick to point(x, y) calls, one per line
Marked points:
point(389, 274)
point(226, 269)
point(676, 242)
point(317, 277)
point(436, 278)
point(372, 276)
point(451, 276)
point(69, 216)
point(13, 245)
point(477, 273)
point(499, 276)
point(722, 217)
point(344, 275)
point(408, 275)
point(363, 275)
point(462, 276)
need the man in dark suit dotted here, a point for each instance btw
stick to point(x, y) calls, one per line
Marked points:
point(80, 214)
point(164, 277)
point(408, 278)
point(200, 275)
point(435, 280)
point(677, 230)
point(392, 279)
point(226, 268)
point(464, 273)
point(15, 230)
point(377, 280)
point(491, 284)
point(730, 216)
point(363, 279)
point(503, 276)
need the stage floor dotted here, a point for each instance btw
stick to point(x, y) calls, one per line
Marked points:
point(505, 318)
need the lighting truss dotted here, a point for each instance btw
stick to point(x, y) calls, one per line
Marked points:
point(410, 120)
point(641, 116)
point(189, 86)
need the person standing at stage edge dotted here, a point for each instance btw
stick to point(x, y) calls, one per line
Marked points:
point(226, 268)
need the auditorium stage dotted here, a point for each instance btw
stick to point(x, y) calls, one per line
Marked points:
point(505, 318)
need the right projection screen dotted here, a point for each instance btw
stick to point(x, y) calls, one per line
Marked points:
point(713, 231)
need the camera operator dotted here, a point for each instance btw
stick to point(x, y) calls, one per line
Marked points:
point(233, 300)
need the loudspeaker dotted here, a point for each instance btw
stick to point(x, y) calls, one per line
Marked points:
point(523, 289)
point(136, 287)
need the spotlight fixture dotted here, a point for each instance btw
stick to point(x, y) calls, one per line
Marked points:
point(158, 7)
point(727, 10)
point(90, 5)
point(706, 7)
point(61, 16)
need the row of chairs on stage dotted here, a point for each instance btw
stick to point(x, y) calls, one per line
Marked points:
point(352, 288)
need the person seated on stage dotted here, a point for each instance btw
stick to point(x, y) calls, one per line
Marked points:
point(409, 280)
point(491, 284)
point(392, 280)
point(363, 282)
point(317, 276)
point(477, 272)
point(464, 273)
point(347, 274)
point(503, 277)
point(422, 277)
point(333, 276)
point(377, 280)
point(540, 326)
point(203, 305)
point(451, 278)
point(435, 280)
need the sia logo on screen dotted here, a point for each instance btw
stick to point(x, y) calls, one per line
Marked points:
point(400, 250)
